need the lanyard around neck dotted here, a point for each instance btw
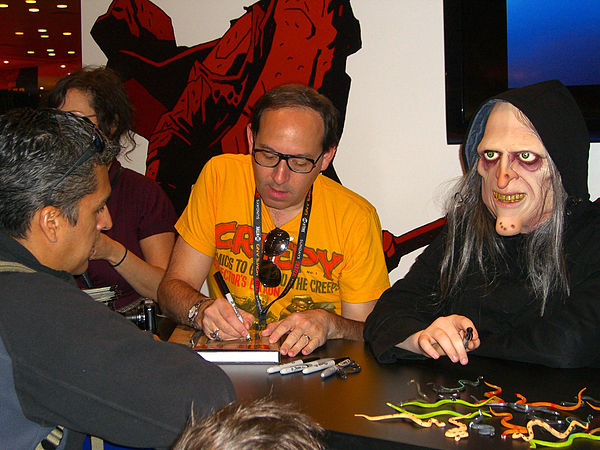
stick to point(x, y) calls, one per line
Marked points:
point(257, 253)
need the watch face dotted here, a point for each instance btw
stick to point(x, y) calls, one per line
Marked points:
point(193, 312)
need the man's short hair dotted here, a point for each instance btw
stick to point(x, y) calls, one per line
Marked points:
point(37, 148)
point(299, 96)
point(260, 425)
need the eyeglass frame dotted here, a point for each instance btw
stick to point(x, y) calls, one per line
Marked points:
point(97, 145)
point(286, 158)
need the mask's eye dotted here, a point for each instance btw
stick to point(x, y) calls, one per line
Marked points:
point(490, 155)
point(528, 157)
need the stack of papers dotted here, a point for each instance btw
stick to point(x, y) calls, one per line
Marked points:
point(104, 294)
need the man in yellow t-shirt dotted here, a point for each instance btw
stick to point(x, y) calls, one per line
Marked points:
point(321, 266)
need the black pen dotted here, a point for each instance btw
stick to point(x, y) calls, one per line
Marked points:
point(468, 337)
point(228, 297)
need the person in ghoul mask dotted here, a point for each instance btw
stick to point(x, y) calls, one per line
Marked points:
point(516, 270)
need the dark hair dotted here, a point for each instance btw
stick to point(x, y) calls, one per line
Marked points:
point(299, 96)
point(37, 147)
point(260, 425)
point(108, 99)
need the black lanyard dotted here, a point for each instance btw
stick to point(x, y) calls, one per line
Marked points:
point(257, 253)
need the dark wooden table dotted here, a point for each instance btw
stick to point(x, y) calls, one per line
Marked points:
point(333, 402)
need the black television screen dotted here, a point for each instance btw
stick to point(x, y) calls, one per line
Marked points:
point(494, 45)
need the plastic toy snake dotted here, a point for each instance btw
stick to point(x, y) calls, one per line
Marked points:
point(545, 426)
point(541, 414)
point(441, 390)
point(405, 415)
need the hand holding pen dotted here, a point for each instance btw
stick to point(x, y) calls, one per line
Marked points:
point(222, 319)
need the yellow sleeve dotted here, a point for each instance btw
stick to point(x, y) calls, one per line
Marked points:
point(197, 222)
point(365, 275)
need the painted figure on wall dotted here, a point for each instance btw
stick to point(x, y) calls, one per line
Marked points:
point(194, 102)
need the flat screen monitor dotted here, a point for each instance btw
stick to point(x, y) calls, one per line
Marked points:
point(494, 45)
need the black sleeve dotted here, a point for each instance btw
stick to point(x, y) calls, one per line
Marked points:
point(80, 365)
point(407, 307)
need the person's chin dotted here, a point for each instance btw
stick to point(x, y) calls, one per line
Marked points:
point(81, 268)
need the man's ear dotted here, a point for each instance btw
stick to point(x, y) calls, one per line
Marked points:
point(50, 221)
point(328, 157)
point(250, 138)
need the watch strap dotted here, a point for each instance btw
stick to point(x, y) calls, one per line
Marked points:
point(194, 310)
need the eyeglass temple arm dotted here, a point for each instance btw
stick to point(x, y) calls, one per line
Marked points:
point(83, 158)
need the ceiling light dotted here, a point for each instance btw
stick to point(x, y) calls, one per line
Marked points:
point(3, 5)
point(61, 5)
point(71, 52)
point(34, 10)
point(67, 33)
point(30, 1)
point(49, 49)
point(5, 61)
point(42, 30)
point(30, 52)
point(51, 54)
point(41, 88)
point(62, 66)
point(44, 36)
point(19, 33)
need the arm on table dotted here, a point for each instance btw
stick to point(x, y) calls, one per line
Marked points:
point(311, 329)
point(179, 291)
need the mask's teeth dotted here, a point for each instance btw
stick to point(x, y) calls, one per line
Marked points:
point(511, 198)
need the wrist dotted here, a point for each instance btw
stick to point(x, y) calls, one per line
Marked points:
point(195, 313)
point(119, 261)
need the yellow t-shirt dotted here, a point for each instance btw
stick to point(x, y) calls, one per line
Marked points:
point(343, 256)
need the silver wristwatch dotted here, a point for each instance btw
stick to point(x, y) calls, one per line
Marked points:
point(194, 310)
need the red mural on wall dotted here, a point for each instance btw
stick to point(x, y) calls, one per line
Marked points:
point(192, 103)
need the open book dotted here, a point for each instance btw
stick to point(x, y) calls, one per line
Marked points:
point(257, 350)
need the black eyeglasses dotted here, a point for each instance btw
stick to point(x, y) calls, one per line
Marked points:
point(97, 145)
point(275, 244)
point(298, 164)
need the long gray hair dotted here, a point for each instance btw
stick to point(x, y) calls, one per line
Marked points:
point(472, 238)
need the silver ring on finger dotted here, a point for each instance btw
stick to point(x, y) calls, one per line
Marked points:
point(215, 335)
point(307, 337)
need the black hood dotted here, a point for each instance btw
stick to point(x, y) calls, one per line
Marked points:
point(556, 117)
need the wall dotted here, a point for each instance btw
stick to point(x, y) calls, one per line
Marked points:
point(393, 150)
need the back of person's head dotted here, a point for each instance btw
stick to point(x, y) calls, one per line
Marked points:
point(259, 425)
point(107, 95)
point(37, 148)
point(299, 96)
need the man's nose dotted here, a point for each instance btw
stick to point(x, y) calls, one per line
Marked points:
point(505, 172)
point(281, 172)
point(104, 220)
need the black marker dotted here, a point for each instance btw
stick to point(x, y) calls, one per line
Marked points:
point(228, 297)
point(468, 337)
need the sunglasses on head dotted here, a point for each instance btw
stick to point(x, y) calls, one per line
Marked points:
point(275, 244)
point(97, 145)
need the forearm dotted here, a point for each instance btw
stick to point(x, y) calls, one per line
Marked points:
point(411, 343)
point(142, 276)
point(176, 297)
point(343, 328)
